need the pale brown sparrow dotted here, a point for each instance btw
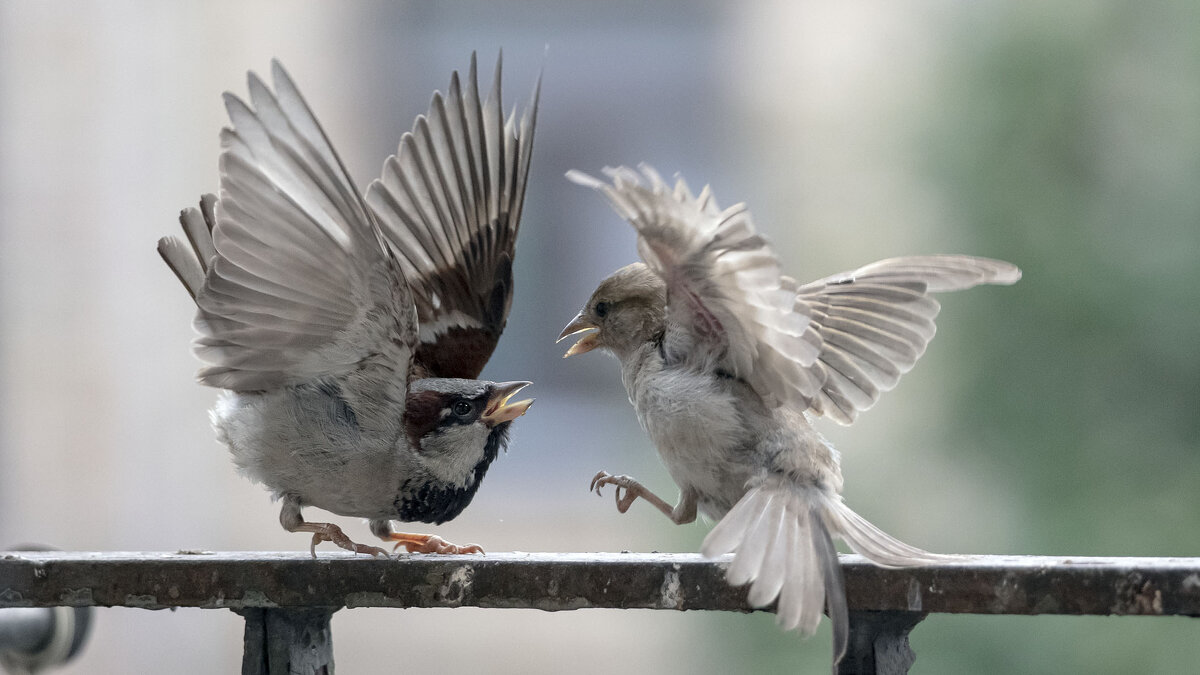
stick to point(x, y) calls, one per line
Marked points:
point(727, 362)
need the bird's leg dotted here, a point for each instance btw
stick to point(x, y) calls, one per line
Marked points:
point(419, 543)
point(682, 513)
point(292, 521)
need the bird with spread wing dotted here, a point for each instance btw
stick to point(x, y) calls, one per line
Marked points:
point(348, 330)
point(727, 362)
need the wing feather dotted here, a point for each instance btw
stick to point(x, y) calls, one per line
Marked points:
point(449, 203)
point(297, 283)
point(728, 306)
point(876, 321)
point(831, 346)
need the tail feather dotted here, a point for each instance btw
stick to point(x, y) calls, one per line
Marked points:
point(835, 590)
point(765, 530)
point(803, 594)
point(783, 550)
point(728, 534)
point(781, 535)
point(773, 568)
point(873, 543)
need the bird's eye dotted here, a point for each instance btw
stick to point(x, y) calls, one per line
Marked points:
point(461, 408)
point(601, 309)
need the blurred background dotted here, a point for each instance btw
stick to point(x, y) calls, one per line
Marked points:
point(1058, 416)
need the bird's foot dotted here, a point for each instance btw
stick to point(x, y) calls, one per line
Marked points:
point(429, 543)
point(332, 533)
point(632, 488)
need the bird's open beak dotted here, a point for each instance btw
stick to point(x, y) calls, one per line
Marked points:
point(499, 409)
point(586, 343)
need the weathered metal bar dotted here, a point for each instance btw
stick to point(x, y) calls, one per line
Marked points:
point(565, 581)
point(287, 641)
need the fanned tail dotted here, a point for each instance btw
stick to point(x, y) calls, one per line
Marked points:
point(782, 536)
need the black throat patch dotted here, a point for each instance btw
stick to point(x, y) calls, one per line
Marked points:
point(437, 502)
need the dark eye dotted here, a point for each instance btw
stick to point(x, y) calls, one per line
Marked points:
point(461, 408)
point(601, 309)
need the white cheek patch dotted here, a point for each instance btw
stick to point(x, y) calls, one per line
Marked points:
point(451, 455)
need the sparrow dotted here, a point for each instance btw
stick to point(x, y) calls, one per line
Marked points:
point(347, 330)
point(728, 362)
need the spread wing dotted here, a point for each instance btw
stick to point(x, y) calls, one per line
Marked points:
point(875, 322)
point(829, 347)
point(450, 202)
point(297, 282)
point(728, 306)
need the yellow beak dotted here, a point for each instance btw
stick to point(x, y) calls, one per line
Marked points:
point(586, 343)
point(499, 410)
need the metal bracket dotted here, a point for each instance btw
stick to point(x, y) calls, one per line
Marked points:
point(280, 641)
point(879, 643)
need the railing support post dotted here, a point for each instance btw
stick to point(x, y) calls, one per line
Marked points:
point(283, 641)
point(879, 643)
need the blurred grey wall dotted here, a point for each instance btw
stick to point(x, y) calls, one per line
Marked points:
point(1057, 416)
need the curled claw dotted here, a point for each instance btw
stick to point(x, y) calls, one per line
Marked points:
point(632, 489)
point(372, 550)
point(599, 481)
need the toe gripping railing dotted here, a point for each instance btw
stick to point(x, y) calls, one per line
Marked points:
point(287, 599)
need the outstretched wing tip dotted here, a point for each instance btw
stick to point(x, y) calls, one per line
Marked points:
point(876, 322)
point(585, 179)
point(294, 242)
point(450, 203)
point(1007, 275)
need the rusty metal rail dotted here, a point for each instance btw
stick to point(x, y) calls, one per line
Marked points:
point(288, 598)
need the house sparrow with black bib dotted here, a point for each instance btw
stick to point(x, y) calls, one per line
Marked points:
point(347, 330)
point(727, 363)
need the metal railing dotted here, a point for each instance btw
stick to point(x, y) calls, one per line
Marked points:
point(287, 599)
